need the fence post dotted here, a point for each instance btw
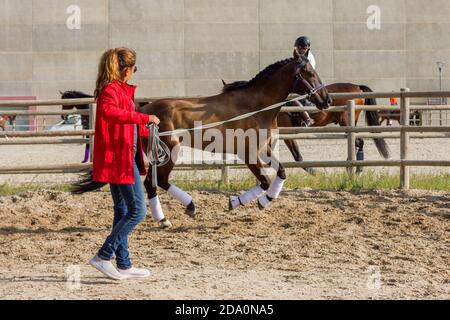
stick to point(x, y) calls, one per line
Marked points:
point(351, 136)
point(92, 109)
point(225, 170)
point(404, 139)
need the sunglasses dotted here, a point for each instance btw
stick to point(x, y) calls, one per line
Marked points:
point(135, 69)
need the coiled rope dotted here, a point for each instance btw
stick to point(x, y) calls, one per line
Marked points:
point(158, 153)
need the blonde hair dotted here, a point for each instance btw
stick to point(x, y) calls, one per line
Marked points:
point(111, 65)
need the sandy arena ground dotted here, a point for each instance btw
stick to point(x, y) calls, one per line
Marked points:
point(309, 244)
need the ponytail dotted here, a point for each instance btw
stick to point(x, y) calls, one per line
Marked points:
point(112, 62)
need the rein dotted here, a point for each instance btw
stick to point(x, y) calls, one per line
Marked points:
point(312, 90)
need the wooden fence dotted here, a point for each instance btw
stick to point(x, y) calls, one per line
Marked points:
point(404, 132)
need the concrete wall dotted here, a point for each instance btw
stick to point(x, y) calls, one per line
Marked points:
point(186, 46)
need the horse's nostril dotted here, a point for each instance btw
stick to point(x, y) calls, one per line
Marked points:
point(330, 101)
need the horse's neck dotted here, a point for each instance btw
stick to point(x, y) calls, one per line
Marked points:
point(277, 89)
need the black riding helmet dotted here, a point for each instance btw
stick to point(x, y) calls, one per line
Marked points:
point(302, 42)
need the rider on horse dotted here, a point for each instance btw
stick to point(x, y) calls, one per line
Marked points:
point(303, 47)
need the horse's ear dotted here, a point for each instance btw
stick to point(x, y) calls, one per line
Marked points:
point(224, 83)
point(296, 55)
point(60, 92)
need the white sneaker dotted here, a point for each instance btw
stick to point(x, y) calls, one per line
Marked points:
point(105, 267)
point(134, 273)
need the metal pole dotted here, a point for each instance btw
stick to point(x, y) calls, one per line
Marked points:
point(351, 136)
point(404, 139)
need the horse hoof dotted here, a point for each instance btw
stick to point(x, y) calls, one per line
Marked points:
point(263, 202)
point(165, 223)
point(190, 210)
point(233, 203)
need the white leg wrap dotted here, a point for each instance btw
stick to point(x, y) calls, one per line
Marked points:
point(275, 187)
point(179, 194)
point(155, 207)
point(263, 201)
point(251, 195)
point(234, 202)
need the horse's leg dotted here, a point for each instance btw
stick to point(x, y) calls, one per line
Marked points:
point(359, 143)
point(284, 120)
point(254, 193)
point(154, 202)
point(276, 186)
point(87, 153)
point(293, 148)
point(12, 121)
point(164, 173)
point(173, 190)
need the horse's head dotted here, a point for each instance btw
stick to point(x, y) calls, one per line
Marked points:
point(307, 81)
point(74, 95)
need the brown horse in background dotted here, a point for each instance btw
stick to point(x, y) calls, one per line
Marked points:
point(341, 118)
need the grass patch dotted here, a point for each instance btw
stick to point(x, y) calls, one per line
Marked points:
point(339, 181)
point(13, 189)
point(321, 181)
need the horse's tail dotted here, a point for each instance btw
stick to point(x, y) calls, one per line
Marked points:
point(86, 184)
point(373, 119)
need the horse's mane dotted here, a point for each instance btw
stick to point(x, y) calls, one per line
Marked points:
point(267, 72)
point(73, 94)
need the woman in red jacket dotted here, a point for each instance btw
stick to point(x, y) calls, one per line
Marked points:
point(118, 158)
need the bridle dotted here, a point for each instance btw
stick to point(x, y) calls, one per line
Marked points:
point(298, 77)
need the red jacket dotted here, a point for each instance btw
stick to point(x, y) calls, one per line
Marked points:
point(114, 133)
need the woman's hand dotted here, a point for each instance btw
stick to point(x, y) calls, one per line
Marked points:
point(153, 119)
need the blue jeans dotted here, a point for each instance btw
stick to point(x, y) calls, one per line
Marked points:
point(129, 210)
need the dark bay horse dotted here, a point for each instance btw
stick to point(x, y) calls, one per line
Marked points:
point(340, 118)
point(270, 86)
point(73, 94)
point(84, 118)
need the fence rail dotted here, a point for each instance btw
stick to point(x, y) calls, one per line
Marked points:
point(404, 132)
